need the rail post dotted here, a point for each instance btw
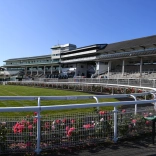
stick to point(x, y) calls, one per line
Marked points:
point(38, 150)
point(135, 99)
point(98, 108)
point(115, 124)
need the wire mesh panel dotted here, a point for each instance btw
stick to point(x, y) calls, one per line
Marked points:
point(18, 134)
point(75, 129)
point(133, 125)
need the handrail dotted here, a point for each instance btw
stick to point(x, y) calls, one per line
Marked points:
point(69, 106)
point(2, 98)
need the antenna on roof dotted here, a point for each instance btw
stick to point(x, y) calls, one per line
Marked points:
point(58, 42)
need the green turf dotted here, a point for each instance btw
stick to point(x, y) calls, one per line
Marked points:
point(11, 90)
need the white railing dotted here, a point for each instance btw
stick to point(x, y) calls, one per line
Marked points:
point(117, 81)
point(98, 104)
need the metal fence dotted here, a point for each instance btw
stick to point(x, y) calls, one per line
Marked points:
point(95, 88)
point(38, 132)
point(121, 81)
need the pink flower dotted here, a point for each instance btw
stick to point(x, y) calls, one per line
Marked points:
point(134, 121)
point(58, 121)
point(23, 121)
point(30, 127)
point(35, 120)
point(123, 111)
point(72, 121)
point(64, 120)
point(47, 125)
point(88, 126)
point(53, 127)
point(67, 128)
point(69, 133)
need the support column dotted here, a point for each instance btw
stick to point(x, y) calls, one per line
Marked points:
point(25, 70)
point(109, 67)
point(51, 69)
point(97, 67)
point(44, 70)
point(86, 70)
point(37, 70)
point(59, 68)
point(151, 61)
point(123, 67)
point(141, 67)
point(76, 69)
point(31, 71)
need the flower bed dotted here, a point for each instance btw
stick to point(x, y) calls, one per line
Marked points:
point(18, 134)
point(83, 87)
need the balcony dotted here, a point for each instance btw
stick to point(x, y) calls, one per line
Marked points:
point(34, 63)
point(79, 54)
point(79, 59)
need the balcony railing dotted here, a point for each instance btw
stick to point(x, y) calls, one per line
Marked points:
point(79, 59)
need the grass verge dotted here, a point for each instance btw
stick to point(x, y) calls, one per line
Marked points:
point(10, 90)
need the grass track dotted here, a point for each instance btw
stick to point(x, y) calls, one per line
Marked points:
point(10, 90)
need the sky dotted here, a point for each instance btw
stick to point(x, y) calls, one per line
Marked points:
point(31, 27)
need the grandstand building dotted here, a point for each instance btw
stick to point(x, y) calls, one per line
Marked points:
point(127, 59)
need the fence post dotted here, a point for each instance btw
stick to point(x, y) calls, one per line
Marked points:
point(38, 150)
point(97, 101)
point(115, 124)
point(135, 104)
point(112, 90)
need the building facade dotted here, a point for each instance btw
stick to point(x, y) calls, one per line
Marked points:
point(121, 58)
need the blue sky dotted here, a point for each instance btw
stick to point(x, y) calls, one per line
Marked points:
point(32, 27)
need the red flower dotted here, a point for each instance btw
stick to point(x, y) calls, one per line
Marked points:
point(102, 112)
point(28, 144)
point(18, 128)
point(35, 113)
point(147, 122)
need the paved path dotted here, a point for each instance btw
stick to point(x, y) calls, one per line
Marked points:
point(136, 147)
